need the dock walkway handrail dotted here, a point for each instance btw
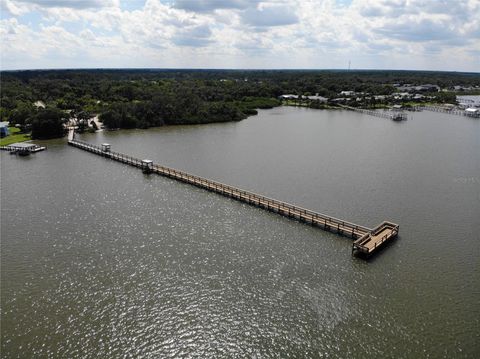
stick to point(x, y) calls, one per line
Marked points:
point(452, 111)
point(273, 201)
point(384, 114)
point(362, 234)
point(227, 189)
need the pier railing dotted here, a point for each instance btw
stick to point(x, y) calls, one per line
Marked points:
point(326, 222)
point(370, 241)
point(391, 115)
point(450, 111)
point(287, 209)
point(265, 202)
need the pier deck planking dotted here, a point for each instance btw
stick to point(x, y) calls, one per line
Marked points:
point(367, 240)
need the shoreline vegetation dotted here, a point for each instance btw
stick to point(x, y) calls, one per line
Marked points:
point(15, 136)
point(43, 102)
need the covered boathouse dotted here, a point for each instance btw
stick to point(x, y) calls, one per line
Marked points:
point(23, 148)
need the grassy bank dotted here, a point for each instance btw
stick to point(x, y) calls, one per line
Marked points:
point(15, 136)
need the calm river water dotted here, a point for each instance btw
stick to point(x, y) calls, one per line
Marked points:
point(101, 261)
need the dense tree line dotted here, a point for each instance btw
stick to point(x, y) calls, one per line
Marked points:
point(144, 98)
point(48, 123)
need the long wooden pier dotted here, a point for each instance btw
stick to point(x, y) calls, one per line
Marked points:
point(391, 115)
point(367, 240)
point(450, 111)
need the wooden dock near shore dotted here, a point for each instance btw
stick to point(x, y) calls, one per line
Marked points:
point(391, 115)
point(22, 148)
point(447, 110)
point(366, 240)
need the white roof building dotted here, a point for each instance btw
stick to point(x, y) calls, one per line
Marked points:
point(289, 96)
point(318, 98)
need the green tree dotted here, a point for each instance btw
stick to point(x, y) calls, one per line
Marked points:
point(23, 112)
point(110, 119)
point(49, 123)
point(82, 120)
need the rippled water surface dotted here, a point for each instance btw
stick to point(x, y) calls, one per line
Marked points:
point(99, 260)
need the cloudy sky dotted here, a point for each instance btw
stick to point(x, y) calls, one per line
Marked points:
point(383, 34)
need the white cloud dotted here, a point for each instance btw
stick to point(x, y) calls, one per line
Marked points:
point(242, 33)
point(212, 5)
point(272, 15)
point(73, 4)
point(10, 7)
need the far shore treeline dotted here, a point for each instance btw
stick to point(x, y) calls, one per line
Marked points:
point(44, 100)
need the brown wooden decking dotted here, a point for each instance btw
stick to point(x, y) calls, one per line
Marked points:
point(370, 239)
point(370, 242)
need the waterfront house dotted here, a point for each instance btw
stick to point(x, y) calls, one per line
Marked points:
point(427, 88)
point(405, 88)
point(318, 98)
point(288, 97)
point(463, 88)
point(402, 96)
